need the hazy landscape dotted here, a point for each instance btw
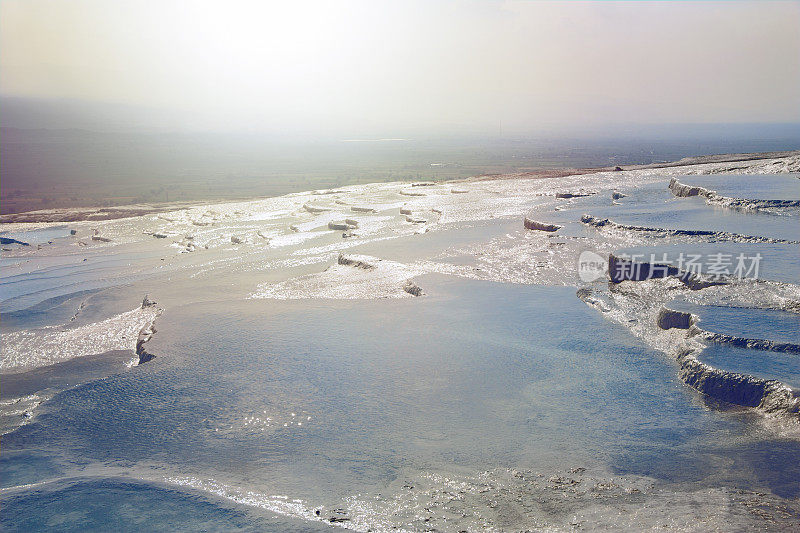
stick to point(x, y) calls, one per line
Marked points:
point(59, 168)
point(388, 341)
point(419, 266)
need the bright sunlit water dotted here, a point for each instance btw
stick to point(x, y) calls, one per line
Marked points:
point(257, 413)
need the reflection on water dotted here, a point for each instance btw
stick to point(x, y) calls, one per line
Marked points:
point(776, 261)
point(347, 394)
point(482, 404)
point(656, 207)
point(125, 505)
point(37, 236)
point(769, 324)
point(67, 274)
point(764, 364)
point(753, 186)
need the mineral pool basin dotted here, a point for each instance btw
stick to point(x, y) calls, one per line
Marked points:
point(38, 236)
point(749, 186)
point(134, 505)
point(322, 399)
point(764, 364)
point(768, 324)
point(654, 206)
point(62, 275)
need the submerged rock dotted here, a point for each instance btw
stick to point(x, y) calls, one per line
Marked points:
point(668, 319)
point(413, 289)
point(315, 209)
point(540, 226)
point(353, 276)
point(338, 226)
point(359, 261)
point(363, 209)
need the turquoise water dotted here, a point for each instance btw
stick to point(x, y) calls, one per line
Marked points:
point(785, 367)
point(769, 324)
point(38, 236)
point(747, 323)
point(127, 505)
point(458, 382)
point(653, 205)
point(254, 414)
point(751, 186)
point(63, 275)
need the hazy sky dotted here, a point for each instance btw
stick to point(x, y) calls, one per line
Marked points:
point(402, 66)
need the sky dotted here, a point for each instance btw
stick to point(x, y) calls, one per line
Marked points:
point(394, 67)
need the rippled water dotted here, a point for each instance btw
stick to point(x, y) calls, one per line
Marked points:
point(127, 505)
point(64, 276)
point(324, 400)
point(456, 378)
point(496, 399)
